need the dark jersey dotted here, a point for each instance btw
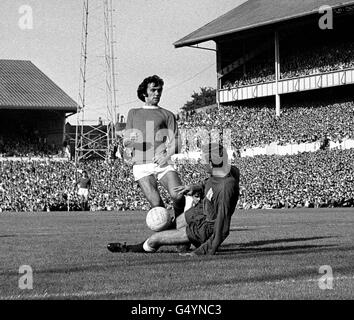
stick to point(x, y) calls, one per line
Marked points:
point(84, 183)
point(219, 203)
point(157, 127)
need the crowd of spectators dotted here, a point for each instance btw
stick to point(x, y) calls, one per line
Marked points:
point(322, 59)
point(26, 146)
point(257, 125)
point(34, 185)
point(49, 186)
point(259, 71)
point(319, 179)
point(300, 61)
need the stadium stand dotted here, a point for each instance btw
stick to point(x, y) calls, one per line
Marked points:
point(256, 125)
point(303, 61)
point(32, 111)
point(320, 179)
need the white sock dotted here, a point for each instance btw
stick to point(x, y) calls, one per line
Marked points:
point(148, 248)
point(189, 203)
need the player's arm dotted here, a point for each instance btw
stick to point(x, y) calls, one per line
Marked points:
point(221, 227)
point(128, 142)
point(190, 190)
point(130, 137)
point(174, 146)
point(175, 142)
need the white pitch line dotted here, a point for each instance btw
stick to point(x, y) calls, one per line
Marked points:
point(84, 294)
point(62, 295)
point(307, 280)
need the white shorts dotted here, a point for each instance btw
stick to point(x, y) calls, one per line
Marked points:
point(145, 170)
point(83, 192)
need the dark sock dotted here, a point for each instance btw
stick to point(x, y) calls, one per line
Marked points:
point(178, 206)
point(173, 225)
point(136, 247)
point(182, 248)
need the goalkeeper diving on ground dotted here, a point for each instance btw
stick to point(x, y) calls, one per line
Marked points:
point(207, 224)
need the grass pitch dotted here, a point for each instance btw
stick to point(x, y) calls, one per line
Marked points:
point(268, 255)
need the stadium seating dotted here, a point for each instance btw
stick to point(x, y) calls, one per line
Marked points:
point(25, 146)
point(256, 125)
point(319, 179)
point(296, 63)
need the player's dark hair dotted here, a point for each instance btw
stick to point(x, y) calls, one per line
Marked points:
point(142, 89)
point(216, 154)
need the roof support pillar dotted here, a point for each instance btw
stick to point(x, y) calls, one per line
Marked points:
point(277, 74)
point(218, 79)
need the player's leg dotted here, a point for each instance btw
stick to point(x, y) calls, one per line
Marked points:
point(154, 242)
point(192, 228)
point(170, 180)
point(166, 238)
point(148, 185)
point(81, 199)
point(181, 221)
point(86, 206)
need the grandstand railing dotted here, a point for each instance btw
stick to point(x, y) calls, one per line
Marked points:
point(289, 85)
point(273, 149)
point(30, 159)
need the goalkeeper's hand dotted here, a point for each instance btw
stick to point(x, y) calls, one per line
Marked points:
point(184, 190)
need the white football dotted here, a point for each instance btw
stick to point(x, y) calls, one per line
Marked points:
point(158, 219)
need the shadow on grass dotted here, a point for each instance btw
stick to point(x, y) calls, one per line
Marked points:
point(306, 248)
point(220, 285)
point(226, 252)
point(165, 258)
point(238, 229)
point(272, 241)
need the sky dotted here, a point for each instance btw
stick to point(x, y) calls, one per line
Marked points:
point(144, 33)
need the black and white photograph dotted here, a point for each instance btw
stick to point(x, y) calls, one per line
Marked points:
point(176, 156)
